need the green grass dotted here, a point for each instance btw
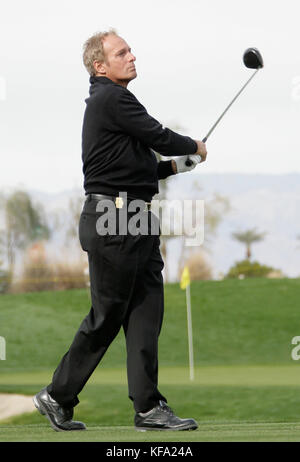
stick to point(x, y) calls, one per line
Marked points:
point(234, 322)
point(208, 432)
point(246, 385)
point(219, 398)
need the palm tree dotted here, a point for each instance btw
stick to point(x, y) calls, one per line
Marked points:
point(248, 237)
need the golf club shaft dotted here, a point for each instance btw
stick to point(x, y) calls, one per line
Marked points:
point(188, 162)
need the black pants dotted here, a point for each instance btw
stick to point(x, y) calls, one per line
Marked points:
point(127, 291)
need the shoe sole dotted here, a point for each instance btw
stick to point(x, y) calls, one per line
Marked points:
point(151, 429)
point(39, 405)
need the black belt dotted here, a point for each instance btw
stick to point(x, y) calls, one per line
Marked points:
point(118, 200)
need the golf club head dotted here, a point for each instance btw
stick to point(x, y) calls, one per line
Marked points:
point(253, 59)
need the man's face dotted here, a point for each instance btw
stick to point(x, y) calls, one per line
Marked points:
point(119, 61)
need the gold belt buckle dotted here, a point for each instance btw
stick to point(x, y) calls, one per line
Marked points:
point(119, 202)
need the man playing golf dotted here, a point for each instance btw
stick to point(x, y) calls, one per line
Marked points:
point(125, 268)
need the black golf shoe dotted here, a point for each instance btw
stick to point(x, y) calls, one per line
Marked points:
point(162, 417)
point(60, 417)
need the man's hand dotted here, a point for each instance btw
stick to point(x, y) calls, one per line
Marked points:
point(179, 166)
point(201, 150)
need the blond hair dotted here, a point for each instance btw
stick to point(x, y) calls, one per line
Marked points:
point(93, 50)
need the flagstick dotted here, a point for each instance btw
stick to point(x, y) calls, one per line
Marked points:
point(190, 331)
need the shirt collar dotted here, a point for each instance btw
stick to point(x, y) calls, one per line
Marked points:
point(97, 79)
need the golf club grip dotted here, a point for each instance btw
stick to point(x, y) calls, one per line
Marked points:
point(188, 162)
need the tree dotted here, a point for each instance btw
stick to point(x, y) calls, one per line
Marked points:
point(199, 268)
point(247, 269)
point(214, 210)
point(75, 209)
point(24, 223)
point(248, 237)
point(5, 279)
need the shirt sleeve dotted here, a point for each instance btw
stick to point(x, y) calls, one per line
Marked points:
point(132, 118)
point(164, 169)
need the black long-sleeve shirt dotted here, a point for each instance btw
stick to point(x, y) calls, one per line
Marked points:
point(118, 136)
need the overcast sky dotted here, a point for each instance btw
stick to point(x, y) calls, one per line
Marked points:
point(189, 64)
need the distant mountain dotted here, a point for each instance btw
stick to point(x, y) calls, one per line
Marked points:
point(270, 203)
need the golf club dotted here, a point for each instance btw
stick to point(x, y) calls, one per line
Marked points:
point(253, 60)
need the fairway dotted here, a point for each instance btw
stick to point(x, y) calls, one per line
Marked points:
point(246, 385)
point(233, 403)
point(207, 432)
